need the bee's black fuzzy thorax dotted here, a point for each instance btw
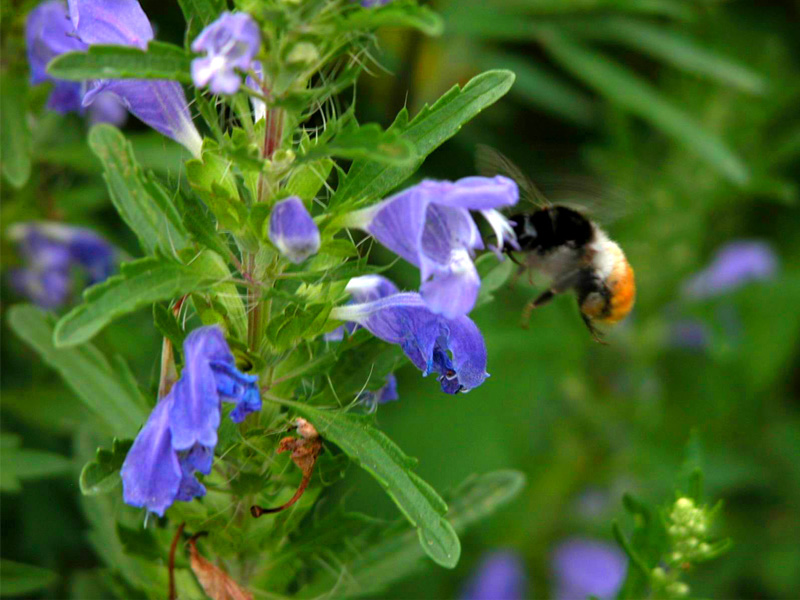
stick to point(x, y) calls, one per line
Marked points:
point(549, 228)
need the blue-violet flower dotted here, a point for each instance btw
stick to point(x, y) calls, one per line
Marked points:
point(453, 348)
point(230, 43)
point(734, 265)
point(293, 231)
point(584, 567)
point(500, 576)
point(50, 251)
point(181, 432)
point(429, 225)
point(161, 104)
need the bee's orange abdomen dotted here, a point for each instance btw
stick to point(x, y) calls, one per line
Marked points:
point(623, 292)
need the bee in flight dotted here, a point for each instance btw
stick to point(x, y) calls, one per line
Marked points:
point(572, 250)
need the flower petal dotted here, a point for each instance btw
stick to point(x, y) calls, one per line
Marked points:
point(397, 223)
point(234, 386)
point(452, 290)
point(49, 33)
point(119, 22)
point(151, 473)
point(198, 458)
point(473, 193)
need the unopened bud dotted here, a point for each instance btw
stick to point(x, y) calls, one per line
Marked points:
point(306, 429)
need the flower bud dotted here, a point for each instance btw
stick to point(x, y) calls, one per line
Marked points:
point(293, 231)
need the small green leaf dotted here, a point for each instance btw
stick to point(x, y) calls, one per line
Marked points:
point(386, 462)
point(367, 141)
point(433, 126)
point(19, 464)
point(224, 292)
point(85, 370)
point(140, 542)
point(139, 284)
point(159, 61)
point(293, 326)
point(494, 274)
point(20, 579)
point(101, 475)
point(143, 205)
point(15, 135)
point(199, 13)
point(307, 179)
point(623, 87)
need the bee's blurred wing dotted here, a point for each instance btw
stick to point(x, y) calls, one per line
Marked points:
point(491, 162)
point(600, 202)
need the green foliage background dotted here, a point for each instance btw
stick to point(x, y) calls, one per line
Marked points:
point(686, 113)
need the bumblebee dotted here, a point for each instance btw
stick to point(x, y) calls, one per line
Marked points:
point(571, 249)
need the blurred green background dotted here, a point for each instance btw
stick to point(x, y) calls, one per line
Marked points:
point(686, 114)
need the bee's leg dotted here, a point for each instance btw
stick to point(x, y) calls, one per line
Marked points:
point(540, 300)
point(596, 334)
point(522, 268)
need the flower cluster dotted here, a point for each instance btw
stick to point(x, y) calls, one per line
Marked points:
point(50, 252)
point(430, 226)
point(51, 31)
point(181, 433)
point(688, 529)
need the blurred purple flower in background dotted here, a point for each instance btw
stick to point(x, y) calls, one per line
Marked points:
point(584, 567)
point(452, 348)
point(388, 393)
point(292, 230)
point(430, 226)
point(231, 42)
point(689, 334)
point(373, 3)
point(160, 104)
point(181, 432)
point(734, 265)
point(500, 576)
point(50, 251)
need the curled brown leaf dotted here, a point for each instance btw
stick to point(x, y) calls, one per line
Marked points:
point(217, 584)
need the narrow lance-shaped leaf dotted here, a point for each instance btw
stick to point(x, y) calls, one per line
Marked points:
point(427, 131)
point(387, 463)
point(22, 464)
point(139, 284)
point(159, 61)
point(390, 559)
point(632, 93)
point(143, 205)
point(85, 370)
point(396, 14)
point(367, 141)
point(15, 135)
point(20, 579)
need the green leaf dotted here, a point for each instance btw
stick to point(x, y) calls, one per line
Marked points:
point(199, 13)
point(494, 274)
point(307, 179)
point(20, 579)
point(427, 131)
point(101, 475)
point(167, 324)
point(396, 14)
point(139, 284)
point(226, 293)
point(201, 227)
point(367, 141)
point(386, 462)
point(632, 93)
point(141, 203)
point(159, 61)
point(375, 568)
point(15, 135)
point(85, 370)
point(19, 464)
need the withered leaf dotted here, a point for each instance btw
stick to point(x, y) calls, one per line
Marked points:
point(216, 582)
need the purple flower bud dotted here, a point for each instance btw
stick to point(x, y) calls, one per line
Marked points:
point(429, 225)
point(181, 432)
point(293, 231)
point(388, 393)
point(584, 567)
point(734, 265)
point(230, 43)
point(50, 250)
point(500, 576)
point(160, 104)
point(49, 33)
point(453, 348)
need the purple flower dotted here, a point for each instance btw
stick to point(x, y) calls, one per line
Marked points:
point(500, 576)
point(374, 3)
point(230, 43)
point(160, 104)
point(584, 567)
point(689, 334)
point(292, 230)
point(388, 393)
point(49, 33)
point(259, 106)
point(429, 225)
point(181, 432)
point(107, 108)
point(363, 289)
point(453, 348)
point(734, 265)
point(50, 251)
